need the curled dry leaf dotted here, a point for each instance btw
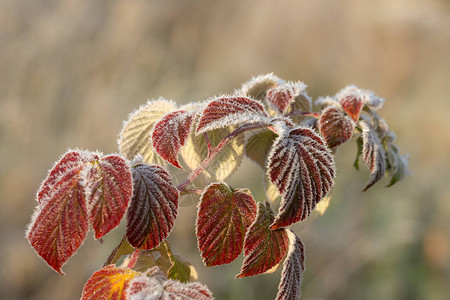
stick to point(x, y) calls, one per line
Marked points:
point(223, 217)
point(293, 267)
point(153, 208)
point(226, 111)
point(135, 135)
point(301, 166)
point(171, 133)
point(263, 248)
point(335, 126)
point(373, 153)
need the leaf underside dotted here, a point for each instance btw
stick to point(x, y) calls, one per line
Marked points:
point(293, 267)
point(153, 208)
point(301, 166)
point(257, 147)
point(223, 218)
point(263, 248)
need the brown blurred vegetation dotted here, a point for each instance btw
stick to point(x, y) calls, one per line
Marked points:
point(71, 71)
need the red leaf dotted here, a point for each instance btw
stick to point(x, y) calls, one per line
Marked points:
point(59, 226)
point(108, 188)
point(171, 133)
point(335, 126)
point(301, 166)
point(263, 248)
point(154, 206)
point(158, 287)
point(352, 100)
point(72, 159)
point(281, 97)
point(108, 283)
point(373, 154)
point(223, 218)
point(293, 267)
point(226, 111)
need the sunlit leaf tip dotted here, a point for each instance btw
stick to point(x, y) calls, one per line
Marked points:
point(293, 268)
point(109, 283)
point(231, 110)
point(302, 167)
point(263, 248)
point(171, 133)
point(154, 206)
point(352, 100)
point(223, 217)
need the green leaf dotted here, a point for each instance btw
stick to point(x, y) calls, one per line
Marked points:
point(225, 163)
point(258, 146)
point(135, 135)
point(180, 269)
point(359, 145)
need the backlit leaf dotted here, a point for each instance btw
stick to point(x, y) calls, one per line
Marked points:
point(227, 160)
point(153, 208)
point(302, 168)
point(352, 100)
point(180, 269)
point(226, 111)
point(293, 267)
point(263, 248)
point(223, 217)
point(158, 287)
point(258, 146)
point(59, 224)
point(108, 189)
point(59, 227)
point(272, 193)
point(257, 87)
point(109, 283)
point(373, 153)
point(135, 135)
point(335, 126)
point(171, 133)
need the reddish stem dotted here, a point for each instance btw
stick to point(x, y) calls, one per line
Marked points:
point(214, 151)
point(134, 258)
point(304, 113)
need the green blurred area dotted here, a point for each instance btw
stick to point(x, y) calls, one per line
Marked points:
point(72, 71)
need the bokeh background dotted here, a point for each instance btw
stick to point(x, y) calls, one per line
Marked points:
point(71, 72)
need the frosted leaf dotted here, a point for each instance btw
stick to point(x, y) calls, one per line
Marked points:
point(335, 126)
point(280, 97)
point(59, 227)
point(59, 224)
point(227, 160)
point(301, 166)
point(293, 268)
point(153, 208)
point(373, 153)
point(352, 100)
point(171, 133)
point(226, 111)
point(397, 164)
point(223, 217)
point(374, 102)
point(263, 248)
point(158, 287)
point(257, 87)
point(258, 145)
point(327, 101)
point(109, 283)
point(135, 135)
point(108, 187)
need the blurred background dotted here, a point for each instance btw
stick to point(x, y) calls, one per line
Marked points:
point(71, 72)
